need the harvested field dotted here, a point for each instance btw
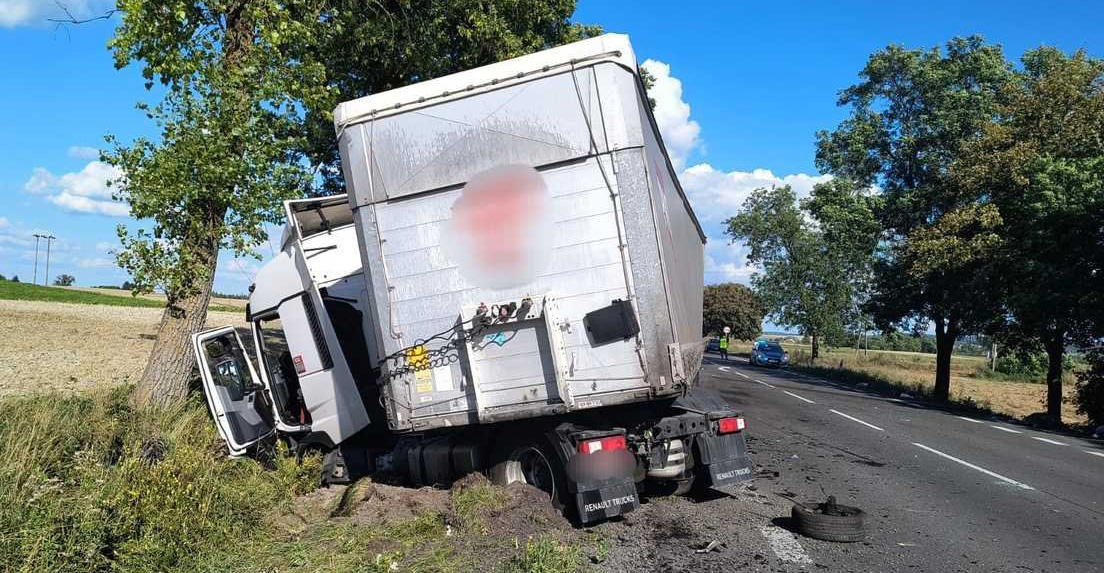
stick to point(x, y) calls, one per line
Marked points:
point(51, 346)
point(215, 300)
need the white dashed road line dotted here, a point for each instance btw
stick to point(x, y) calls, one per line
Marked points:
point(1048, 440)
point(798, 397)
point(1003, 429)
point(1092, 453)
point(785, 545)
point(854, 419)
point(764, 383)
point(723, 368)
point(1009, 481)
point(744, 375)
point(970, 419)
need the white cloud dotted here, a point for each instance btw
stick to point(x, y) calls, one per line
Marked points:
point(35, 12)
point(95, 263)
point(85, 191)
point(725, 262)
point(83, 152)
point(717, 195)
point(106, 246)
point(681, 135)
point(41, 181)
point(80, 204)
point(238, 270)
point(4, 223)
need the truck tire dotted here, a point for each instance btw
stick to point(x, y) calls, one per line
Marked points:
point(535, 464)
point(846, 526)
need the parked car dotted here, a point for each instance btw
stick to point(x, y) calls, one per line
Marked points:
point(714, 345)
point(769, 353)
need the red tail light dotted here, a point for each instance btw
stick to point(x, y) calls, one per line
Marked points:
point(604, 444)
point(730, 425)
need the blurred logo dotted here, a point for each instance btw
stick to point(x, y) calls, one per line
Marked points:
point(500, 233)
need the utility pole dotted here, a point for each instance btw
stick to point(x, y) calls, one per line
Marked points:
point(34, 277)
point(49, 239)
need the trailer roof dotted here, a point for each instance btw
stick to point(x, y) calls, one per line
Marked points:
point(607, 47)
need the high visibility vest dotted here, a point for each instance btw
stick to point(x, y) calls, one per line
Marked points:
point(724, 343)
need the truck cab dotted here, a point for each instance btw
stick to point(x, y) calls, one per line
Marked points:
point(299, 379)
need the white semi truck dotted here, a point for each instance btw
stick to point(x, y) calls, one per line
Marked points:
point(512, 285)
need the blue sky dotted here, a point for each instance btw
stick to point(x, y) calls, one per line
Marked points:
point(742, 89)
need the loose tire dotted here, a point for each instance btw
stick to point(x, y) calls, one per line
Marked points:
point(847, 528)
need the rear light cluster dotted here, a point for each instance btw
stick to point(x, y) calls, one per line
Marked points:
point(604, 444)
point(731, 425)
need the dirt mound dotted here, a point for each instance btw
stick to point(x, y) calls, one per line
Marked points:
point(517, 510)
point(371, 503)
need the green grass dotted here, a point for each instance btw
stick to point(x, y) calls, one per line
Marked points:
point(81, 492)
point(26, 291)
point(77, 493)
point(472, 501)
point(544, 554)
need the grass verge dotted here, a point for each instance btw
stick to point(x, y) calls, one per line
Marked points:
point(88, 484)
point(26, 291)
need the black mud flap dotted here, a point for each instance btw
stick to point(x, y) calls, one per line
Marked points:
point(606, 502)
point(723, 460)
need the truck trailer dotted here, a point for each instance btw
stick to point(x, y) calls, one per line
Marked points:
point(511, 285)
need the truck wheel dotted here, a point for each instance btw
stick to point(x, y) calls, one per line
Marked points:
point(841, 523)
point(535, 465)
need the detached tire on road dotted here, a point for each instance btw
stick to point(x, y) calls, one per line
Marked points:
point(846, 525)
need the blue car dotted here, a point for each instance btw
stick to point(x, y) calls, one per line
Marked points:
point(769, 353)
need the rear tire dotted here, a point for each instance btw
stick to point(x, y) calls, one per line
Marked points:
point(535, 464)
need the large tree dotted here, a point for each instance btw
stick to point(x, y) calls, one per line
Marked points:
point(735, 306)
point(911, 114)
point(1041, 164)
point(244, 123)
point(808, 265)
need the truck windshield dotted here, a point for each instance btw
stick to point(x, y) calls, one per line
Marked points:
point(280, 369)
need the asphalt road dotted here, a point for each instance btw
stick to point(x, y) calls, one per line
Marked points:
point(943, 491)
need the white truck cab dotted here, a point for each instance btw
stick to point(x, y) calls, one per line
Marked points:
point(300, 363)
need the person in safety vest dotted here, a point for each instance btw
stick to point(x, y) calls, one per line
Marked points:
point(724, 347)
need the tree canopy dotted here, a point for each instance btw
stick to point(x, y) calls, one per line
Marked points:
point(1040, 163)
point(911, 115)
point(735, 306)
point(813, 255)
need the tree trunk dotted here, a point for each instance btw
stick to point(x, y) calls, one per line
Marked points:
point(170, 365)
point(816, 348)
point(946, 332)
point(1055, 349)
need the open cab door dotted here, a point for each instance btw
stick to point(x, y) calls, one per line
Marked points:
point(233, 390)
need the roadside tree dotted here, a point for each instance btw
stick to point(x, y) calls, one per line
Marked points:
point(1042, 165)
point(805, 281)
point(911, 114)
point(64, 280)
point(735, 306)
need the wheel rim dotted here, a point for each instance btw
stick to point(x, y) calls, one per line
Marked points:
point(529, 466)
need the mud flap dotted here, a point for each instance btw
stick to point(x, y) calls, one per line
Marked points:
point(606, 502)
point(723, 460)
